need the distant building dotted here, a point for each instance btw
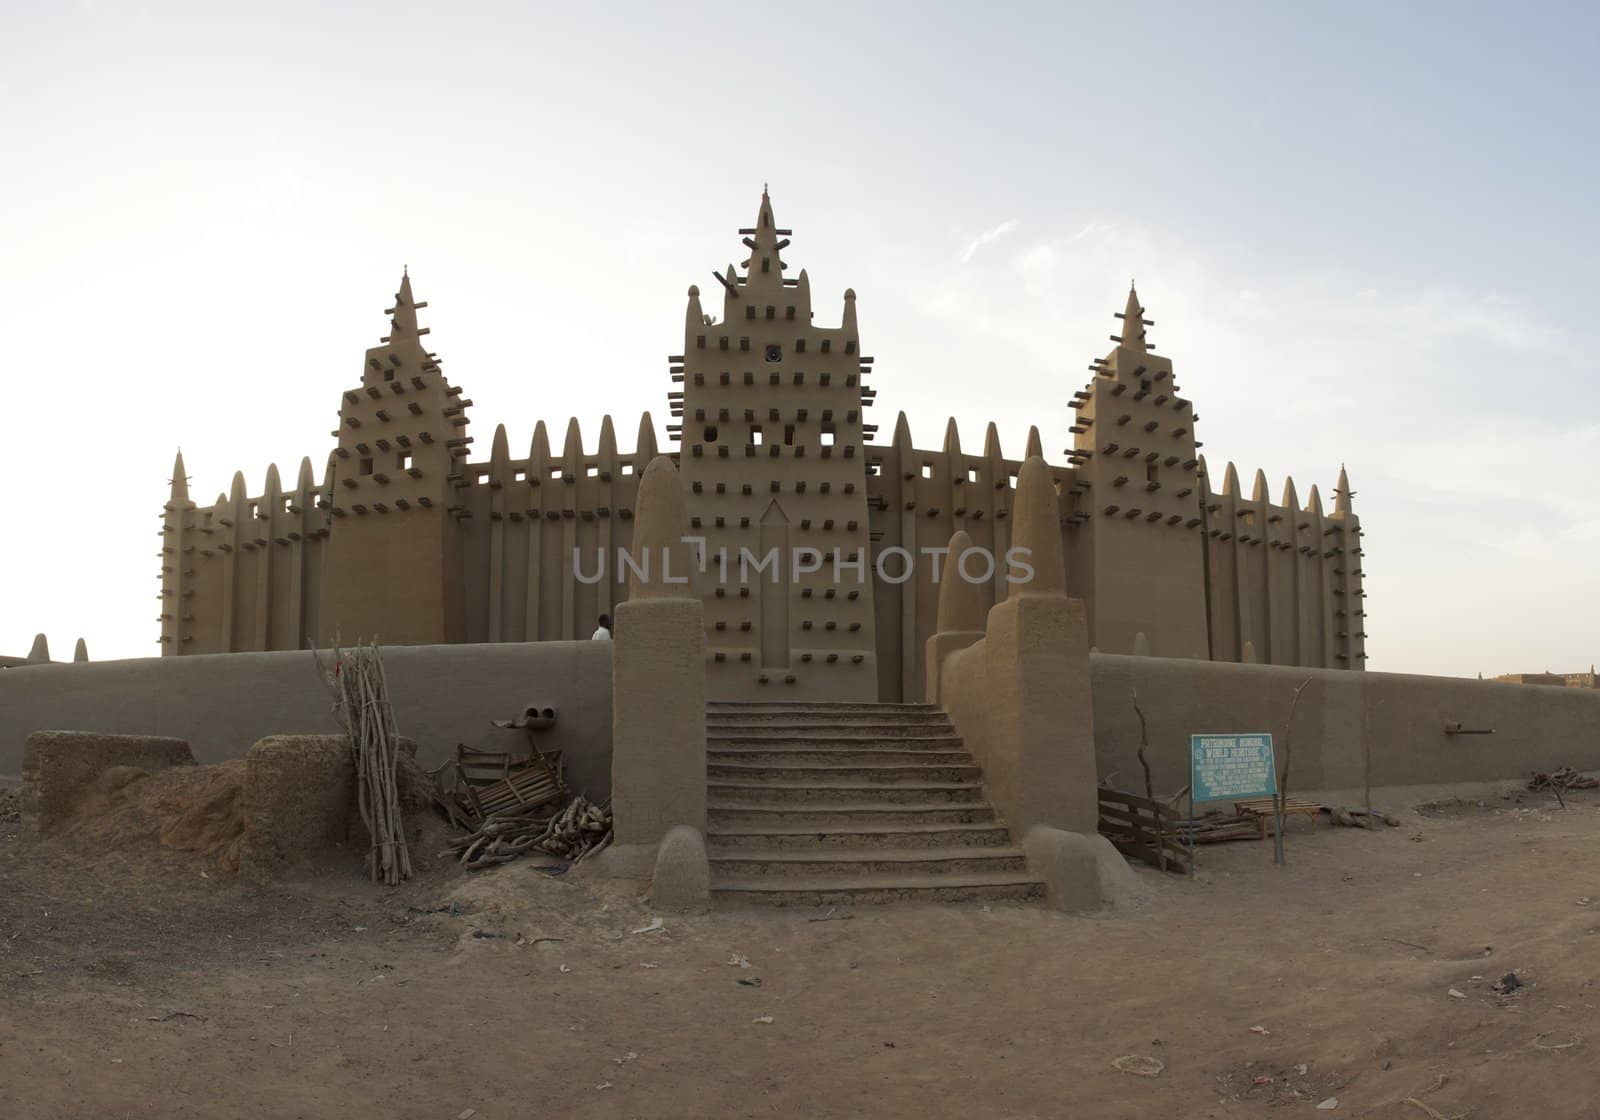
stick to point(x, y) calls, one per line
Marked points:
point(1560, 680)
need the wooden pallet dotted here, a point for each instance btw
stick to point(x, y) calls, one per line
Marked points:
point(1264, 810)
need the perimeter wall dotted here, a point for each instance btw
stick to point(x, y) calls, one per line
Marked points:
point(1345, 721)
point(222, 703)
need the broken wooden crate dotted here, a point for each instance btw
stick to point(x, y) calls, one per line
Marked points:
point(495, 782)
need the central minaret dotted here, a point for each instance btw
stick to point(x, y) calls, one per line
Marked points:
point(771, 454)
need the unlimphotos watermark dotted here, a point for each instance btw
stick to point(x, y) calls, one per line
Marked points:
point(892, 565)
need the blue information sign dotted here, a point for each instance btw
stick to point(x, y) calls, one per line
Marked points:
point(1229, 767)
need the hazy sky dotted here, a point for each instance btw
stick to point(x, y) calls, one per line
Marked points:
point(1367, 234)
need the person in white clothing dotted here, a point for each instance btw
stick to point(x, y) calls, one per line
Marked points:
point(602, 632)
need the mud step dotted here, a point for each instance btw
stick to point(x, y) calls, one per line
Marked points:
point(845, 770)
point(819, 790)
point(715, 739)
point(840, 816)
point(934, 716)
point(836, 756)
point(849, 865)
point(780, 707)
point(880, 889)
point(818, 836)
point(896, 729)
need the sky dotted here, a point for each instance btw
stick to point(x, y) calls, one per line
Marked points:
point(1366, 233)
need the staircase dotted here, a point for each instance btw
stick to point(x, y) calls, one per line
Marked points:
point(814, 804)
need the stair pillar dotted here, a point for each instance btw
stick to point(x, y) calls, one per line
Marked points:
point(1021, 697)
point(658, 760)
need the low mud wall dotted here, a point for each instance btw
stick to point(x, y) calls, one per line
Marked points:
point(1350, 728)
point(221, 704)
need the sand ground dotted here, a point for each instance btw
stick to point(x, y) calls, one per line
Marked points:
point(141, 983)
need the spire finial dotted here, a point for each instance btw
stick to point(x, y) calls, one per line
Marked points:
point(1133, 323)
point(403, 315)
point(1342, 493)
point(180, 479)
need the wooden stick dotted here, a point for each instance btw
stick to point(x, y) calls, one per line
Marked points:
point(1149, 789)
point(1278, 855)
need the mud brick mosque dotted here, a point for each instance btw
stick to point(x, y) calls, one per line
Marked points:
point(407, 536)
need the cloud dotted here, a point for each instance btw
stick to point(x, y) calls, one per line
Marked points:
point(986, 237)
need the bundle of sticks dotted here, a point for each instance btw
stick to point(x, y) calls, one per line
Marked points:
point(573, 833)
point(361, 698)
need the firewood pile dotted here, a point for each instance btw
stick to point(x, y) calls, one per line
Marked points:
point(1561, 780)
point(361, 698)
point(572, 833)
point(1216, 826)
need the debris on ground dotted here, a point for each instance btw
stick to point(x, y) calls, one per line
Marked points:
point(1281, 1085)
point(1576, 1040)
point(1509, 983)
point(1360, 818)
point(1140, 1065)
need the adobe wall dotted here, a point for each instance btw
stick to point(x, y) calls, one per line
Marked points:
point(223, 703)
point(1395, 719)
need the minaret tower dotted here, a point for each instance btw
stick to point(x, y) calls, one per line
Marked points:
point(771, 453)
point(1343, 546)
point(177, 564)
point(1134, 443)
point(394, 560)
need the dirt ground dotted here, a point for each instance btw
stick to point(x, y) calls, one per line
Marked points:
point(144, 982)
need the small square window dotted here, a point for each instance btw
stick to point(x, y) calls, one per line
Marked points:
point(520, 476)
point(366, 466)
point(972, 474)
point(927, 470)
point(627, 468)
point(827, 436)
point(755, 434)
point(404, 460)
point(591, 471)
